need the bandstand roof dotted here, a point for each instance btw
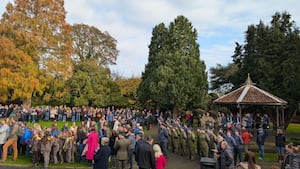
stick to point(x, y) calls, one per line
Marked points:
point(251, 95)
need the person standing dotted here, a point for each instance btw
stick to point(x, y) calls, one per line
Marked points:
point(160, 159)
point(238, 148)
point(131, 137)
point(191, 144)
point(246, 136)
point(12, 141)
point(55, 148)
point(224, 160)
point(46, 145)
point(93, 144)
point(35, 145)
point(101, 158)
point(163, 139)
point(260, 140)
point(202, 142)
point(4, 132)
point(212, 142)
point(122, 146)
point(144, 154)
point(183, 142)
point(280, 144)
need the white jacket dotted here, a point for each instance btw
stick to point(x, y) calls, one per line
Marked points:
point(4, 132)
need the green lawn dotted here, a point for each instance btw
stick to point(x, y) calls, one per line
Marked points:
point(25, 161)
point(49, 124)
point(293, 128)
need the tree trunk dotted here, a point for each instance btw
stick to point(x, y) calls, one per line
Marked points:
point(175, 111)
point(157, 107)
point(27, 102)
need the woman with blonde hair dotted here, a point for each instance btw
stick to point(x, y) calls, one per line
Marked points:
point(160, 159)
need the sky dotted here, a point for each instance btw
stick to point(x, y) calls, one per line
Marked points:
point(219, 23)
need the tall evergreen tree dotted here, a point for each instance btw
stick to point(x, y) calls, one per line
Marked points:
point(174, 76)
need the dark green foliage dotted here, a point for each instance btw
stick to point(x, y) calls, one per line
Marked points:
point(174, 76)
point(271, 54)
point(91, 85)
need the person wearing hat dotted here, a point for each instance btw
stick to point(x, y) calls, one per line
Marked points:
point(101, 158)
point(122, 145)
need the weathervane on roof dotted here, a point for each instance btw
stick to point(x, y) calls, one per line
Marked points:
point(249, 81)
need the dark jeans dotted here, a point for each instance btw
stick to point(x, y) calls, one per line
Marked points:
point(1, 145)
point(131, 154)
point(237, 154)
point(80, 150)
point(163, 146)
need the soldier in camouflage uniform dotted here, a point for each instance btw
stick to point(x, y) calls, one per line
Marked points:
point(191, 144)
point(170, 138)
point(202, 142)
point(176, 140)
point(212, 142)
point(183, 142)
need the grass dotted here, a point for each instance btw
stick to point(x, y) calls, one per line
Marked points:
point(293, 128)
point(49, 124)
point(26, 161)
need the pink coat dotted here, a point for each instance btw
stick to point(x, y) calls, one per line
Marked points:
point(93, 144)
point(161, 162)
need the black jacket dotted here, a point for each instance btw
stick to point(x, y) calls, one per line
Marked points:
point(144, 155)
point(224, 160)
point(101, 158)
point(280, 140)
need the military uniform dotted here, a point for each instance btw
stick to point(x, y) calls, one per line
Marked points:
point(203, 142)
point(55, 149)
point(61, 142)
point(68, 145)
point(45, 150)
point(176, 140)
point(36, 150)
point(183, 142)
point(170, 141)
point(212, 144)
point(191, 144)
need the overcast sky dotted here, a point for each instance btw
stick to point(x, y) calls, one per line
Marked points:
point(219, 23)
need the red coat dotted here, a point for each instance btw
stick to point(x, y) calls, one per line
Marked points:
point(161, 162)
point(92, 142)
point(246, 136)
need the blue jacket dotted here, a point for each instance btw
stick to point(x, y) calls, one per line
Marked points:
point(163, 135)
point(26, 137)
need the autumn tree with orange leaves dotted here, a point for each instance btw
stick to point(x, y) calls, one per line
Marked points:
point(38, 47)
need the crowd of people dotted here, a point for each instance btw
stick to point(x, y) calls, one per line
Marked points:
point(115, 137)
point(226, 138)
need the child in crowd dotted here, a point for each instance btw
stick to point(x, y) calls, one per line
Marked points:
point(46, 145)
